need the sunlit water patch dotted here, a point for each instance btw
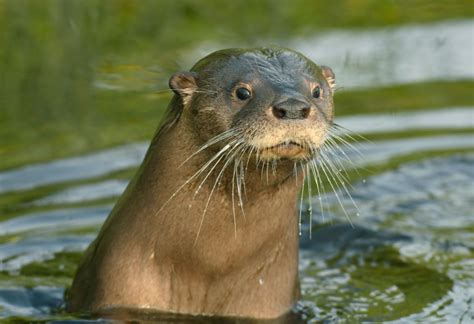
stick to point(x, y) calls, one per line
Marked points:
point(381, 57)
point(38, 236)
point(414, 232)
point(36, 301)
point(448, 118)
point(87, 192)
point(88, 166)
point(396, 55)
point(414, 235)
point(127, 156)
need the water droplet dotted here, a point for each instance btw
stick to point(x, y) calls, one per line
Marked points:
point(357, 214)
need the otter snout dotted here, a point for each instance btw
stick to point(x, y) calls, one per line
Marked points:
point(291, 109)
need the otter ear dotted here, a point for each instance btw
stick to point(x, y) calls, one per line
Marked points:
point(184, 85)
point(330, 76)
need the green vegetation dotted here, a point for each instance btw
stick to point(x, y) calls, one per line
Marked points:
point(52, 53)
point(54, 272)
point(405, 97)
point(119, 117)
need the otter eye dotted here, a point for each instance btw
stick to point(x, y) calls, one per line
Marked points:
point(317, 92)
point(243, 93)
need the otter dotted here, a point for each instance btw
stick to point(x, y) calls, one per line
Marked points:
point(208, 225)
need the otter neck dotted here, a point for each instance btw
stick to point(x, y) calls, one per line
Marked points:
point(253, 249)
point(269, 187)
point(269, 207)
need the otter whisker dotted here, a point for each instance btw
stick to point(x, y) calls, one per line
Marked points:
point(330, 142)
point(216, 182)
point(240, 180)
point(301, 198)
point(233, 199)
point(250, 148)
point(341, 180)
point(274, 166)
point(257, 159)
point(326, 173)
point(267, 165)
point(234, 177)
point(332, 148)
point(349, 132)
point(196, 174)
point(242, 168)
point(295, 171)
point(346, 143)
point(204, 91)
point(319, 184)
point(250, 153)
point(233, 132)
point(337, 165)
point(310, 201)
point(238, 142)
point(262, 170)
point(340, 145)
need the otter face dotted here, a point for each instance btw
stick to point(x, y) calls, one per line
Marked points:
point(274, 102)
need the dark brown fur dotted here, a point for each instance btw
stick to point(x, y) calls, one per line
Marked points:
point(159, 250)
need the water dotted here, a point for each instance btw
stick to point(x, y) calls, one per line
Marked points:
point(405, 254)
point(389, 56)
point(413, 236)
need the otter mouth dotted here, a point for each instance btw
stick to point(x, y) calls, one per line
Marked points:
point(286, 149)
point(285, 145)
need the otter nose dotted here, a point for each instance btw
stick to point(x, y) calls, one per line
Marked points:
point(291, 109)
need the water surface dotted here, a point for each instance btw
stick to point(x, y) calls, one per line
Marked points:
point(401, 250)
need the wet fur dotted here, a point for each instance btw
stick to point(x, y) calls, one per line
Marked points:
point(209, 224)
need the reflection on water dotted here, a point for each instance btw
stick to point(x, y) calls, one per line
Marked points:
point(30, 302)
point(108, 161)
point(409, 255)
point(393, 56)
point(105, 189)
point(435, 247)
point(89, 166)
point(449, 118)
point(440, 51)
point(413, 233)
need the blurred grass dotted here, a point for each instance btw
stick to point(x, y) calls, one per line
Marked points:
point(405, 97)
point(55, 272)
point(52, 52)
point(118, 117)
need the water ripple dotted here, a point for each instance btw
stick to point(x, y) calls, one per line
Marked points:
point(375, 58)
point(82, 167)
point(127, 156)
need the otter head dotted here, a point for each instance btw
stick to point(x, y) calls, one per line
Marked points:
point(271, 102)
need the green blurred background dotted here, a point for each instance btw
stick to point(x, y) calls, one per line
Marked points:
point(77, 76)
